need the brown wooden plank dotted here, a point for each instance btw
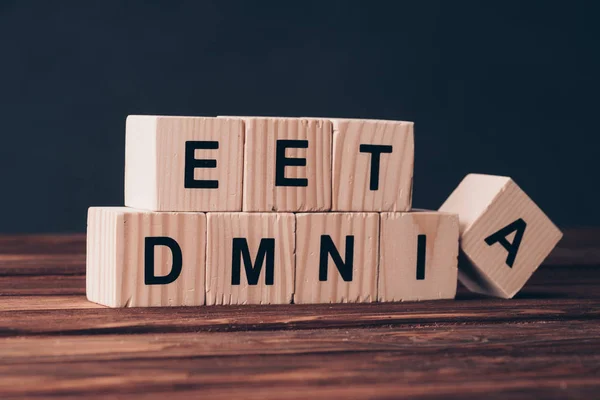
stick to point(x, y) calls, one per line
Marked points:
point(541, 338)
point(40, 285)
point(43, 244)
point(457, 361)
point(42, 254)
point(42, 264)
point(570, 388)
point(286, 317)
point(48, 303)
point(579, 246)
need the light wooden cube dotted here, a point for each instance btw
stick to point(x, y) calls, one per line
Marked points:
point(372, 165)
point(145, 259)
point(250, 258)
point(184, 163)
point(504, 234)
point(287, 164)
point(418, 256)
point(336, 257)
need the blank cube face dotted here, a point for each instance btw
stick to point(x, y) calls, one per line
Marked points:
point(184, 163)
point(250, 258)
point(418, 259)
point(336, 257)
point(372, 165)
point(287, 165)
point(145, 259)
point(504, 234)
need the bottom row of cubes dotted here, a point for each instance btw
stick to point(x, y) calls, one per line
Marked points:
point(139, 258)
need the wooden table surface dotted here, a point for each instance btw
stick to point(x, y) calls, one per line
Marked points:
point(53, 342)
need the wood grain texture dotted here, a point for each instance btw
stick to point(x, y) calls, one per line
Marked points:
point(486, 204)
point(115, 257)
point(260, 190)
point(578, 246)
point(398, 276)
point(352, 168)
point(156, 156)
point(364, 230)
point(361, 363)
point(541, 344)
point(223, 228)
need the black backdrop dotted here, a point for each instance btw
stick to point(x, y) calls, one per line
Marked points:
point(497, 87)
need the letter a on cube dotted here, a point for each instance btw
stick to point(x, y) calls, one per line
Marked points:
point(144, 259)
point(250, 258)
point(504, 234)
point(183, 163)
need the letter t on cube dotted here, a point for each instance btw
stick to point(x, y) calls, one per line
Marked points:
point(504, 234)
point(372, 165)
point(184, 163)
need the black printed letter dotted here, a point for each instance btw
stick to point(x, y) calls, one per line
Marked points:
point(266, 249)
point(191, 163)
point(149, 277)
point(345, 268)
point(421, 247)
point(281, 161)
point(375, 151)
point(500, 236)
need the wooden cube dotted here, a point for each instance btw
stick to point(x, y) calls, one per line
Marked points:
point(184, 163)
point(287, 164)
point(418, 256)
point(250, 258)
point(336, 257)
point(504, 234)
point(145, 259)
point(372, 165)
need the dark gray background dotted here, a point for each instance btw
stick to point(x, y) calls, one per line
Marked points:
point(497, 87)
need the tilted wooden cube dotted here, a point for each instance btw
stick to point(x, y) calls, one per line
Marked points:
point(336, 257)
point(184, 163)
point(145, 259)
point(287, 164)
point(372, 165)
point(250, 258)
point(418, 256)
point(504, 234)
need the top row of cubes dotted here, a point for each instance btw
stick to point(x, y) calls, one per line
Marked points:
point(268, 164)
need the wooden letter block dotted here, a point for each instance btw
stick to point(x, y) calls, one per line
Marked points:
point(419, 256)
point(336, 257)
point(372, 165)
point(287, 164)
point(145, 259)
point(250, 258)
point(184, 163)
point(504, 234)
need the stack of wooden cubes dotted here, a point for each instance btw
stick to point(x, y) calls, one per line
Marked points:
point(256, 210)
